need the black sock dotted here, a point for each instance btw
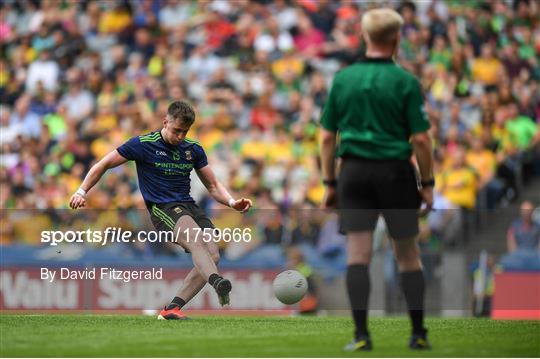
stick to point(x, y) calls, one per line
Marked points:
point(358, 287)
point(413, 286)
point(213, 277)
point(176, 302)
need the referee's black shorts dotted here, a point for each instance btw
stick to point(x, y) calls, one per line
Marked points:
point(368, 188)
point(165, 215)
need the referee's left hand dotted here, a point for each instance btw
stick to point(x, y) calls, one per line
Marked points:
point(242, 205)
point(330, 198)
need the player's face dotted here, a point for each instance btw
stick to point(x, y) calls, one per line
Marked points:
point(175, 131)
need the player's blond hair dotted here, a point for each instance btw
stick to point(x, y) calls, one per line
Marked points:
point(381, 25)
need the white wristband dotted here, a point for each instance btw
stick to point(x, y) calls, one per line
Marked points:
point(81, 192)
point(232, 201)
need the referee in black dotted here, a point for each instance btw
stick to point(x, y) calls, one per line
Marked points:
point(375, 108)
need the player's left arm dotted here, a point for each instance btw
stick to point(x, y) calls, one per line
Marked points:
point(218, 191)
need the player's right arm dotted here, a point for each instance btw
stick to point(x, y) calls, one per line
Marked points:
point(111, 160)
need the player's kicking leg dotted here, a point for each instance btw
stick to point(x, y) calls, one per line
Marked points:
point(205, 258)
point(193, 283)
point(413, 286)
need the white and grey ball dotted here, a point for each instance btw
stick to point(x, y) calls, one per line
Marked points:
point(290, 286)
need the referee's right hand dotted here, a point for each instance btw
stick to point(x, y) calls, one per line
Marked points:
point(330, 198)
point(427, 199)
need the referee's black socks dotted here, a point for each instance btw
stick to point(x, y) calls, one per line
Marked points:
point(413, 286)
point(358, 287)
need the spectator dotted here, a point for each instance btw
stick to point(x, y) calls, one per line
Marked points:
point(453, 120)
point(78, 101)
point(524, 233)
point(273, 39)
point(306, 230)
point(44, 72)
point(484, 287)
point(25, 122)
point(308, 40)
point(512, 63)
point(115, 20)
point(484, 163)
point(174, 14)
point(522, 129)
point(264, 116)
point(460, 182)
point(295, 260)
point(330, 242)
point(487, 69)
point(526, 135)
point(273, 228)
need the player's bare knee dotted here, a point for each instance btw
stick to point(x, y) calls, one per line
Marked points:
point(192, 244)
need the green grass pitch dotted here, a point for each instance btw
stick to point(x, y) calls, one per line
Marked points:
point(224, 336)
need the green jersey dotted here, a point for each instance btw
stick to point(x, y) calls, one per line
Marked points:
point(523, 129)
point(375, 106)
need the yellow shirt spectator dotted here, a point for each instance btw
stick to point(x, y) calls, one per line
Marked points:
point(484, 163)
point(106, 121)
point(459, 186)
point(280, 152)
point(211, 139)
point(114, 21)
point(289, 63)
point(503, 137)
point(486, 71)
point(254, 149)
point(315, 193)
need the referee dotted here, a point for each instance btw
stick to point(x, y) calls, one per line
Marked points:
point(375, 108)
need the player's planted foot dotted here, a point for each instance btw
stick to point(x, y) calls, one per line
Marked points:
point(172, 314)
point(419, 341)
point(360, 344)
point(223, 288)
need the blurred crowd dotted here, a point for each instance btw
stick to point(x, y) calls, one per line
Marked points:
point(78, 78)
